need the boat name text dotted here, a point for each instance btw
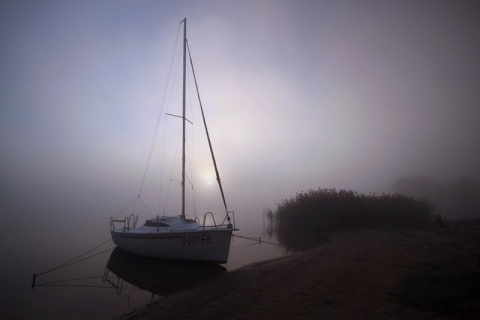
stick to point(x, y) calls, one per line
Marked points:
point(196, 239)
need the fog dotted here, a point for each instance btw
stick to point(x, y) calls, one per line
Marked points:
point(298, 95)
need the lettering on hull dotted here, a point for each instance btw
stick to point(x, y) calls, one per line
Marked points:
point(190, 240)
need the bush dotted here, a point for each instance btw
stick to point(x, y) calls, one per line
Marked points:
point(302, 221)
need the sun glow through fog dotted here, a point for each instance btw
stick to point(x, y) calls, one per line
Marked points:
point(352, 95)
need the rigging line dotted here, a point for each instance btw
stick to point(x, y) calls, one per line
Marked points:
point(162, 157)
point(75, 260)
point(159, 115)
point(134, 200)
point(190, 182)
point(206, 130)
point(192, 148)
point(171, 174)
point(143, 203)
point(187, 177)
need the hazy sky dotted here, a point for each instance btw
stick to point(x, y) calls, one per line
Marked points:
point(299, 94)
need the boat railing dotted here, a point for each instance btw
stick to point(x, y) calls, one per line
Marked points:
point(134, 219)
point(226, 223)
point(205, 218)
point(126, 223)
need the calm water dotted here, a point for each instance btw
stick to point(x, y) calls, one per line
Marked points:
point(92, 288)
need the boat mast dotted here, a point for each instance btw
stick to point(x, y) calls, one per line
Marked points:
point(183, 113)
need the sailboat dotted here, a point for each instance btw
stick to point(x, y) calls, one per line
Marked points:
point(177, 237)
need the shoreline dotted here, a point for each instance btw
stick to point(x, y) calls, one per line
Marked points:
point(356, 275)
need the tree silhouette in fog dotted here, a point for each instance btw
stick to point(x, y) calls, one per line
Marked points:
point(459, 199)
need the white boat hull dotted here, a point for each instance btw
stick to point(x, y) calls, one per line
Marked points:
point(208, 245)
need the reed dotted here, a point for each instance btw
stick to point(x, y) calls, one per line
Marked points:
point(302, 221)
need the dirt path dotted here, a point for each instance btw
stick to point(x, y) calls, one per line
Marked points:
point(355, 276)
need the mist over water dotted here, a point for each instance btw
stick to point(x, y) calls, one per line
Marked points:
point(347, 95)
point(51, 238)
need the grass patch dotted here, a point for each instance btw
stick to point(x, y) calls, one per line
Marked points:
point(440, 286)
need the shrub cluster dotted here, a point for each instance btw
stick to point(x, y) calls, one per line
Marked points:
point(302, 221)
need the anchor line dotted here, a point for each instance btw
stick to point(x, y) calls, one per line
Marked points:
point(73, 261)
point(259, 240)
point(241, 248)
point(58, 283)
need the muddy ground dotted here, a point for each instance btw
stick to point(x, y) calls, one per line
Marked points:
point(358, 275)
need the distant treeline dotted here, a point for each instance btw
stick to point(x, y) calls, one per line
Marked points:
point(457, 200)
point(301, 222)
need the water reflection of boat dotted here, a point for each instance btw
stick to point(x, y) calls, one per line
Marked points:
point(158, 276)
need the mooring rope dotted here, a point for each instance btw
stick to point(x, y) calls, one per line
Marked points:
point(243, 247)
point(66, 280)
point(61, 283)
point(75, 285)
point(75, 260)
point(259, 240)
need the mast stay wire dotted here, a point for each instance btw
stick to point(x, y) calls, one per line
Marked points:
point(159, 117)
point(164, 139)
point(171, 176)
point(191, 147)
point(206, 131)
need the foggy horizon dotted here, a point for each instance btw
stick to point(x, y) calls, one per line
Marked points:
point(298, 96)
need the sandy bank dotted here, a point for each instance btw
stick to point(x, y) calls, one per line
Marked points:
point(353, 277)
